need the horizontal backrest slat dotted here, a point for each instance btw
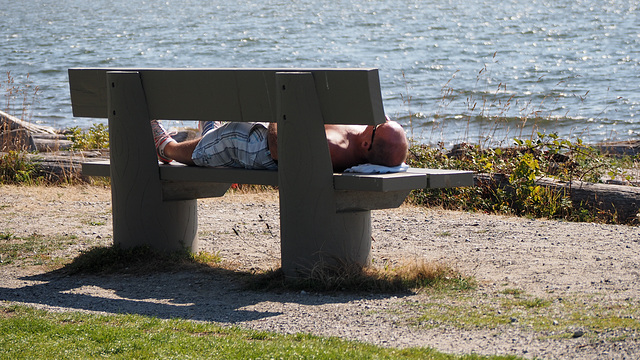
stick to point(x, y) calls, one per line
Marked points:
point(347, 96)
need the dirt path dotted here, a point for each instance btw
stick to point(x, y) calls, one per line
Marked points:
point(534, 277)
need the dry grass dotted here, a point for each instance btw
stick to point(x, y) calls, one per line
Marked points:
point(412, 276)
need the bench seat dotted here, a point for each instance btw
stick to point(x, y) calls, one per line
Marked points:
point(414, 178)
point(354, 191)
point(182, 182)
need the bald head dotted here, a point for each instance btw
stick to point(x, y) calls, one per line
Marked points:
point(390, 145)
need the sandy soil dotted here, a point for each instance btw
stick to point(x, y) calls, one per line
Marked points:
point(594, 266)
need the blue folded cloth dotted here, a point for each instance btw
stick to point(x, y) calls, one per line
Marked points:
point(377, 169)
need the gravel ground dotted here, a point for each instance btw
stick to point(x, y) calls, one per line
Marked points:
point(570, 266)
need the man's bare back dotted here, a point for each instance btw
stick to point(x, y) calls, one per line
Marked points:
point(351, 145)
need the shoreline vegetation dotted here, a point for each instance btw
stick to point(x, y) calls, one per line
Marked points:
point(544, 177)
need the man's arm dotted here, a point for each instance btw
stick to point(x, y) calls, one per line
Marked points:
point(272, 140)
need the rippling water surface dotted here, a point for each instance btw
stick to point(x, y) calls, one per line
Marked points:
point(456, 70)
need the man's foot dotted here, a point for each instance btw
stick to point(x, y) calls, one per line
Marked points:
point(161, 138)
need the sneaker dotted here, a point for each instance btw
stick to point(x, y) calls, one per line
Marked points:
point(161, 138)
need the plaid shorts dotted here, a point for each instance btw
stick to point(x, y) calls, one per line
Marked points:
point(235, 144)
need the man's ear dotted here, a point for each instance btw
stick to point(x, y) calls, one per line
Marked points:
point(364, 143)
point(365, 140)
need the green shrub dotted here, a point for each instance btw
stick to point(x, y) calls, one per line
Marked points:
point(96, 137)
point(515, 171)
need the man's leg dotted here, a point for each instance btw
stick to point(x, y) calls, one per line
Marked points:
point(181, 152)
point(168, 149)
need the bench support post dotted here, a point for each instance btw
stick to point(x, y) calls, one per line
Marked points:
point(314, 234)
point(140, 216)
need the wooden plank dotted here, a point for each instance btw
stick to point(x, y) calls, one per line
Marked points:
point(180, 172)
point(414, 178)
point(88, 90)
point(442, 178)
point(176, 172)
point(96, 168)
point(347, 96)
point(379, 182)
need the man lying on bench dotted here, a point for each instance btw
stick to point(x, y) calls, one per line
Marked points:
point(254, 145)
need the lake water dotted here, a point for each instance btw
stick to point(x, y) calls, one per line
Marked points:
point(451, 70)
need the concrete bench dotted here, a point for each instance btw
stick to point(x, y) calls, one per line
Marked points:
point(325, 217)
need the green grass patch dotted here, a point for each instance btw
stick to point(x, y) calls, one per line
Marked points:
point(96, 223)
point(512, 291)
point(205, 257)
point(32, 334)
point(509, 308)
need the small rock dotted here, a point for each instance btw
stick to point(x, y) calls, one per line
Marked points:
point(577, 334)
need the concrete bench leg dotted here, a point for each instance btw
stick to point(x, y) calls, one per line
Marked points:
point(140, 216)
point(313, 233)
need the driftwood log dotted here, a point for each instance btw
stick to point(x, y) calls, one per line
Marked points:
point(620, 199)
point(42, 145)
point(630, 147)
point(65, 164)
point(16, 134)
point(11, 122)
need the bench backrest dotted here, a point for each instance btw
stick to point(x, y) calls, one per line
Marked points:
point(346, 96)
